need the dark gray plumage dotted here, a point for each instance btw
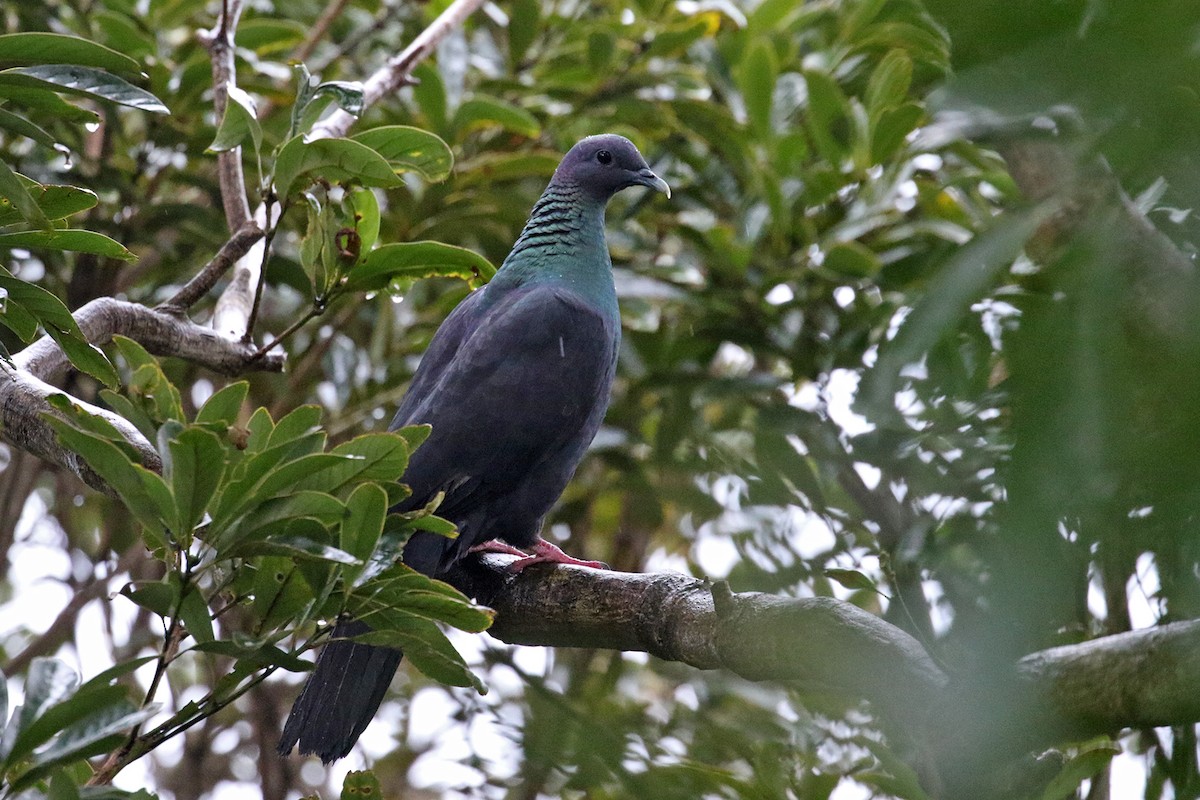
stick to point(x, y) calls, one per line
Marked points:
point(515, 384)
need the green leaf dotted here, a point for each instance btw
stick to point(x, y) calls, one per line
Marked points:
point(151, 504)
point(56, 202)
point(415, 435)
point(90, 736)
point(224, 405)
point(50, 681)
point(76, 241)
point(148, 383)
point(892, 128)
point(267, 36)
point(196, 617)
point(413, 260)
point(756, 78)
point(60, 326)
point(430, 94)
point(334, 160)
point(853, 260)
point(362, 526)
point(851, 579)
point(965, 276)
point(48, 103)
point(298, 422)
point(347, 94)
point(238, 124)
point(522, 28)
point(19, 196)
point(84, 81)
point(196, 467)
point(1087, 764)
point(370, 457)
point(298, 546)
point(15, 123)
point(485, 112)
point(410, 149)
point(361, 785)
point(159, 597)
point(424, 645)
point(828, 116)
point(66, 711)
point(31, 49)
point(365, 208)
point(889, 83)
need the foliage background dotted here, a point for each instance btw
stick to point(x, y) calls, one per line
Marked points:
point(816, 395)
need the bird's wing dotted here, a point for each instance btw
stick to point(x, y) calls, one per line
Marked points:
point(439, 355)
point(523, 383)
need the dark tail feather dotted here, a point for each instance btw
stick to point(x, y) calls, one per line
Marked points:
point(341, 695)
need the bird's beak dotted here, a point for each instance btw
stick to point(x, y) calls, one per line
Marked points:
point(647, 178)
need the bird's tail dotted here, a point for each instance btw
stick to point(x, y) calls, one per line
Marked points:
point(341, 695)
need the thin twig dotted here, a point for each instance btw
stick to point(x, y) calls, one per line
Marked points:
point(398, 70)
point(237, 246)
point(219, 42)
point(319, 29)
point(262, 278)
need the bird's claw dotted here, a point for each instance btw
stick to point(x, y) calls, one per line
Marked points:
point(543, 553)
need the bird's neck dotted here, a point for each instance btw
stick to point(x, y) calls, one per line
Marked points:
point(563, 242)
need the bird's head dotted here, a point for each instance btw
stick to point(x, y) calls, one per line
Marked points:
point(604, 165)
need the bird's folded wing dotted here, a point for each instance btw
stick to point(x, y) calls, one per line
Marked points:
point(522, 382)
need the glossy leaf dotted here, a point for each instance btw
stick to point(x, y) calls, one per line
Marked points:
point(39, 48)
point(333, 160)
point(224, 406)
point(410, 149)
point(55, 202)
point(238, 124)
point(76, 241)
point(84, 81)
point(483, 112)
point(414, 260)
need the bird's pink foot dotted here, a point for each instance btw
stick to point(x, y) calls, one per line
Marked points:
point(546, 553)
point(497, 546)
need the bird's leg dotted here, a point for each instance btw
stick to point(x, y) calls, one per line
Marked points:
point(546, 553)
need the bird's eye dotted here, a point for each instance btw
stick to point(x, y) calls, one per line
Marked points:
point(604, 157)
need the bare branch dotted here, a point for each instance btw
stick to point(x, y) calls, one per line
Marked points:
point(161, 332)
point(237, 246)
point(319, 29)
point(24, 391)
point(1141, 679)
point(818, 642)
point(398, 70)
point(219, 42)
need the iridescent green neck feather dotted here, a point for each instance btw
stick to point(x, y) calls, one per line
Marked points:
point(563, 243)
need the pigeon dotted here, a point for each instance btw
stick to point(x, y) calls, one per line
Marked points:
point(514, 385)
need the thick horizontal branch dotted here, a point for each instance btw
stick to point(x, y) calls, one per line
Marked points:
point(161, 332)
point(1139, 679)
point(24, 391)
point(820, 643)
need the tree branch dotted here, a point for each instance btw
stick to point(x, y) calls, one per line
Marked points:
point(219, 42)
point(1145, 678)
point(238, 245)
point(24, 391)
point(397, 72)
